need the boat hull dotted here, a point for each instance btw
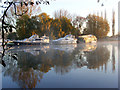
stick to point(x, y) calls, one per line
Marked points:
point(64, 42)
point(27, 43)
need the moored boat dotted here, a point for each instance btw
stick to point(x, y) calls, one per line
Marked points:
point(87, 39)
point(68, 39)
point(33, 40)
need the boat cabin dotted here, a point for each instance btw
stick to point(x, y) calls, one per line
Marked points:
point(87, 39)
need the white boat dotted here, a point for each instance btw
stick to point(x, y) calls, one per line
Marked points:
point(68, 39)
point(33, 40)
point(43, 39)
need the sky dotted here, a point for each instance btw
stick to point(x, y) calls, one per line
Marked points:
point(84, 7)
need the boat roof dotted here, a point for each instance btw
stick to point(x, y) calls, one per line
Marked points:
point(70, 36)
point(90, 35)
point(33, 36)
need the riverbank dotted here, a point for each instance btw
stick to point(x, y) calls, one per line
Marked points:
point(113, 38)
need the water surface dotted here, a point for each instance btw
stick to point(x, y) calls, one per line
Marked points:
point(62, 66)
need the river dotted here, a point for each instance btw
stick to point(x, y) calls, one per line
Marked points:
point(62, 66)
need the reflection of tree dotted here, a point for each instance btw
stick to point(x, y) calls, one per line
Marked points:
point(27, 60)
point(45, 61)
point(80, 60)
point(98, 58)
point(62, 61)
point(46, 65)
point(26, 78)
point(113, 58)
point(29, 78)
point(93, 59)
point(29, 69)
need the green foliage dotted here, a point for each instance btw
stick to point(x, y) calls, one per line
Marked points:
point(62, 26)
point(56, 28)
point(24, 27)
point(12, 36)
point(66, 25)
point(43, 24)
point(59, 27)
point(97, 26)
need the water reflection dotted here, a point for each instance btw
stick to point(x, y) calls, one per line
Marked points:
point(35, 61)
point(93, 59)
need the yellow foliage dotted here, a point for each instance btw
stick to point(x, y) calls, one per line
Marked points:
point(33, 33)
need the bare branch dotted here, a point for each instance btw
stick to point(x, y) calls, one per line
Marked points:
point(3, 7)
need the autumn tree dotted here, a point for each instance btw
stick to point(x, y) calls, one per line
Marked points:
point(42, 24)
point(24, 27)
point(45, 23)
point(39, 24)
point(18, 8)
point(56, 28)
point(67, 26)
point(97, 26)
point(62, 26)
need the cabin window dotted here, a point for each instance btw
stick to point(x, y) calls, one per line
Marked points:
point(38, 39)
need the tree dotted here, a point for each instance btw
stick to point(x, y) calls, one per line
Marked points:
point(60, 13)
point(78, 23)
point(97, 26)
point(67, 26)
point(57, 28)
point(45, 23)
point(39, 24)
point(23, 27)
point(113, 24)
point(23, 6)
point(7, 25)
point(62, 26)
point(17, 8)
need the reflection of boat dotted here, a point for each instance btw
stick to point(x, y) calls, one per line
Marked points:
point(31, 49)
point(33, 40)
point(68, 39)
point(66, 48)
point(87, 39)
point(89, 47)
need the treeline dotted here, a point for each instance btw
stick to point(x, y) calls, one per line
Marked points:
point(59, 26)
point(43, 24)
